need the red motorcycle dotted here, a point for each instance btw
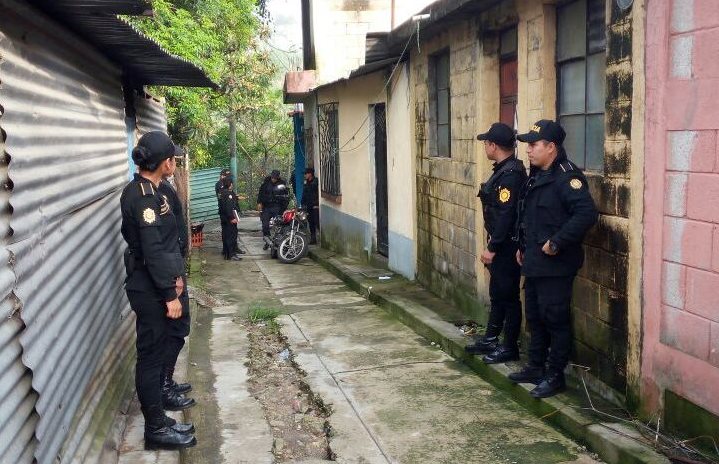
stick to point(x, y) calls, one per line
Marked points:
point(288, 236)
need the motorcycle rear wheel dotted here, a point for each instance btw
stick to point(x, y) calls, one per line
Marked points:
point(291, 251)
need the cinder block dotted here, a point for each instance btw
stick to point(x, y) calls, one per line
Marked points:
point(706, 47)
point(674, 284)
point(681, 58)
point(685, 332)
point(675, 196)
point(693, 151)
point(702, 295)
point(714, 344)
point(715, 250)
point(703, 197)
point(688, 242)
point(683, 15)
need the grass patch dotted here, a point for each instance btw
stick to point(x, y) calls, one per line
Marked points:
point(259, 314)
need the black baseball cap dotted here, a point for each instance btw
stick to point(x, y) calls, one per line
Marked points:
point(310, 171)
point(275, 174)
point(544, 129)
point(499, 133)
point(225, 172)
point(157, 146)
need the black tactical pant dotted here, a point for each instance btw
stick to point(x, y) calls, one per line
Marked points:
point(313, 219)
point(177, 330)
point(152, 326)
point(547, 301)
point(229, 239)
point(268, 212)
point(506, 307)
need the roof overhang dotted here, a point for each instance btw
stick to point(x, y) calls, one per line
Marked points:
point(298, 86)
point(143, 60)
point(440, 12)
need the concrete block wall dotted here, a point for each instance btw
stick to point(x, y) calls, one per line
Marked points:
point(681, 319)
point(446, 187)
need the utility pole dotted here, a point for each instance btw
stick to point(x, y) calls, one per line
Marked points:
point(233, 150)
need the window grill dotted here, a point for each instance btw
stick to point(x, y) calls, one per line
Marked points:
point(328, 132)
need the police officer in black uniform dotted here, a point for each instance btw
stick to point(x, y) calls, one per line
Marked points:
point(272, 200)
point(178, 329)
point(229, 214)
point(499, 207)
point(311, 203)
point(555, 212)
point(155, 280)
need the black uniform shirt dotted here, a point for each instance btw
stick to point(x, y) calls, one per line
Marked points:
point(150, 229)
point(273, 194)
point(556, 205)
point(228, 205)
point(170, 194)
point(311, 194)
point(499, 197)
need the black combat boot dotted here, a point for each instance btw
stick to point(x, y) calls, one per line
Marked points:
point(502, 354)
point(171, 401)
point(179, 426)
point(313, 240)
point(158, 435)
point(528, 374)
point(180, 388)
point(486, 344)
point(552, 384)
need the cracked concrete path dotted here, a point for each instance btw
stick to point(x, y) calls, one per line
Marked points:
point(394, 397)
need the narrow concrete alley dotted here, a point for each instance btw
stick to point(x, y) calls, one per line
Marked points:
point(392, 395)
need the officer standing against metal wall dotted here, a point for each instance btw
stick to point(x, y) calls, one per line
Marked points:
point(555, 212)
point(155, 280)
point(499, 206)
point(178, 329)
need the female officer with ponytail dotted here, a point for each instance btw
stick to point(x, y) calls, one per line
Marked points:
point(155, 271)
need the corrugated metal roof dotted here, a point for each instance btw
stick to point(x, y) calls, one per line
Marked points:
point(142, 59)
point(65, 138)
point(203, 200)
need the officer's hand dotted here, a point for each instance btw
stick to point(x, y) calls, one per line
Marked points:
point(233, 221)
point(520, 257)
point(179, 286)
point(174, 309)
point(548, 250)
point(487, 257)
point(259, 207)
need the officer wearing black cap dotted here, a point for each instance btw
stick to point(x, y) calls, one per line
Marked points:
point(555, 212)
point(218, 185)
point(229, 218)
point(178, 329)
point(154, 283)
point(311, 203)
point(499, 207)
point(272, 200)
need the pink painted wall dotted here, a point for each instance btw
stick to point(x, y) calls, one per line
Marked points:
point(681, 233)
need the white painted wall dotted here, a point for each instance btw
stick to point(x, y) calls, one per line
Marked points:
point(354, 98)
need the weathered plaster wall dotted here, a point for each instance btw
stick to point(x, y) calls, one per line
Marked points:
point(356, 166)
point(681, 256)
point(446, 196)
point(401, 176)
point(339, 28)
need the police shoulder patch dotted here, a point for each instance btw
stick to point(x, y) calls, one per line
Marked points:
point(576, 184)
point(504, 195)
point(149, 216)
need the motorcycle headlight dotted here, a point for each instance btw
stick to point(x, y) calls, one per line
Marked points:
point(273, 221)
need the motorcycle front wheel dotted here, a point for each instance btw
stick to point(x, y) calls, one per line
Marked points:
point(292, 248)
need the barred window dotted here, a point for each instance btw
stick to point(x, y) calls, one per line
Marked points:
point(581, 65)
point(329, 149)
point(439, 105)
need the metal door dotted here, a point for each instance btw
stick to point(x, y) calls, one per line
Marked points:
point(380, 158)
point(508, 82)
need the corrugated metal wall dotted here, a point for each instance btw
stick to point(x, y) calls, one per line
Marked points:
point(203, 200)
point(61, 257)
point(150, 115)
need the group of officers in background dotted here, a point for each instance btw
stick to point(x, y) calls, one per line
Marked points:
point(535, 225)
